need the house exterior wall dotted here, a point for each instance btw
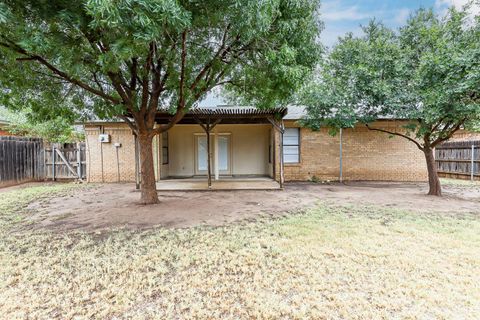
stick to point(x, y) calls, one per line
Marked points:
point(367, 155)
point(463, 135)
point(109, 170)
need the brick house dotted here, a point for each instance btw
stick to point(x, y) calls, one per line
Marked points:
point(248, 143)
point(4, 127)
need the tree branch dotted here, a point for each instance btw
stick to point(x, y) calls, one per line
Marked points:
point(133, 75)
point(449, 133)
point(209, 64)
point(60, 73)
point(397, 134)
point(129, 123)
point(181, 99)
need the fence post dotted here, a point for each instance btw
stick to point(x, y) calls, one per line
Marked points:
point(53, 163)
point(472, 169)
point(79, 162)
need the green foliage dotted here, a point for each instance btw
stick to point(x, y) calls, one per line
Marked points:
point(106, 56)
point(427, 72)
point(55, 129)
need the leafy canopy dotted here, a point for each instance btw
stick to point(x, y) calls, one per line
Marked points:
point(427, 72)
point(55, 129)
point(109, 58)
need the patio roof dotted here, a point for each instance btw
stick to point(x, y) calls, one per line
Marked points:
point(227, 115)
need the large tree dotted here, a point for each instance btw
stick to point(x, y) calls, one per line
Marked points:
point(427, 72)
point(128, 58)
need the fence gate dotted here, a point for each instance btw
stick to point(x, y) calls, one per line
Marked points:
point(459, 159)
point(65, 161)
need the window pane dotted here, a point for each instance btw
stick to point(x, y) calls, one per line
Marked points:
point(164, 155)
point(290, 137)
point(165, 139)
point(290, 154)
point(291, 149)
point(290, 158)
point(165, 148)
point(223, 153)
point(202, 153)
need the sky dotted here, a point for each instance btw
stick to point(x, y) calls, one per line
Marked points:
point(342, 16)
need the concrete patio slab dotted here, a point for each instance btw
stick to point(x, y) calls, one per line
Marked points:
point(223, 184)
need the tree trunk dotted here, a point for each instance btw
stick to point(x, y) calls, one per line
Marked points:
point(435, 188)
point(148, 186)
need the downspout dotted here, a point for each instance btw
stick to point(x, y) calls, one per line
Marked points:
point(102, 130)
point(118, 164)
point(282, 173)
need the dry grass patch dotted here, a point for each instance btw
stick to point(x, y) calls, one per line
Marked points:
point(327, 263)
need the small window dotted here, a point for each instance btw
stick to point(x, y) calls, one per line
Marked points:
point(291, 145)
point(165, 148)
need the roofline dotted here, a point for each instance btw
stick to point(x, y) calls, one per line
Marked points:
point(378, 119)
point(100, 122)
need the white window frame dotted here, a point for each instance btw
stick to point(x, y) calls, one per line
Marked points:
point(290, 144)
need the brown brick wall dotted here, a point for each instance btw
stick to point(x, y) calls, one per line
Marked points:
point(463, 135)
point(108, 170)
point(367, 155)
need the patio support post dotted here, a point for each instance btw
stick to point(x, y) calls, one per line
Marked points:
point(208, 127)
point(280, 127)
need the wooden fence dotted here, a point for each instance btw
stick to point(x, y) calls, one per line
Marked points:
point(459, 159)
point(65, 161)
point(21, 160)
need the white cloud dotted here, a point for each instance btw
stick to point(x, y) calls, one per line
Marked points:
point(341, 18)
point(331, 33)
point(443, 5)
point(334, 11)
point(402, 16)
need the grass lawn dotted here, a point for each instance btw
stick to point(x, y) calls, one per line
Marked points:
point(328, 263)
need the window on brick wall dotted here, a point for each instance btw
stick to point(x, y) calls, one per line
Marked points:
point(291, 145)
point(165, 148)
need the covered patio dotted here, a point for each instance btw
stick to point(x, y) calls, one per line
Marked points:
point(221, 148)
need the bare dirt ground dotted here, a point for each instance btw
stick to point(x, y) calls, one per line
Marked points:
point(114, 205)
